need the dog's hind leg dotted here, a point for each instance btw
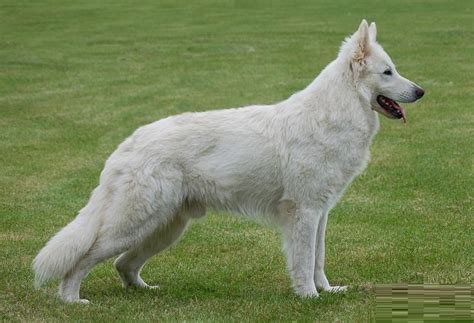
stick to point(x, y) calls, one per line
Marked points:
point(112, 240)
point(130, 263)
point(140, 196)
point(319, 276)
point(116, 236)
point(102, 249)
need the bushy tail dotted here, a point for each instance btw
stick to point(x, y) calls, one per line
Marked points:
point(67, 247)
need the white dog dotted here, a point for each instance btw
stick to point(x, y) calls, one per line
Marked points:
point(287, 163)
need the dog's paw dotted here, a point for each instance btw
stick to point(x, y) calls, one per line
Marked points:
point(141, 284)
point(77, 301)
point(308, 295)
point(83, 301)
point(149, 286)
point(307, 292)
point(136, 282)
point(72, 299)
point(336, 289)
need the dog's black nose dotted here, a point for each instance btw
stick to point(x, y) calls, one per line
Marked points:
point(419, 92)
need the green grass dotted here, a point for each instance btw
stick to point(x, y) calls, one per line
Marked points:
point(77, 77)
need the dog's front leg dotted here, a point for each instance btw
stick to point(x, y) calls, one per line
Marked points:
point(319, 276)
point(299, 245)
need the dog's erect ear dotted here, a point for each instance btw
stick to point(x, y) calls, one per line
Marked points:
point(356, 48)
point(373, 32)
point(361, 42)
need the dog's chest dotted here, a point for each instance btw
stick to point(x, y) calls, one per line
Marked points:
point(342, 158)
point(328, 161)
point(349, 157)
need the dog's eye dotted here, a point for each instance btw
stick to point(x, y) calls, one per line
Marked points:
point(387, 72)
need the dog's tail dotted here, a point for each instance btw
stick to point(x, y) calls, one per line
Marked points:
point(68, 246)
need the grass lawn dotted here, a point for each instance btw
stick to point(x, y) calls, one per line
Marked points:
point(77, 77)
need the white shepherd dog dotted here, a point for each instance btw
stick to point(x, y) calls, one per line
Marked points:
point(286, 163)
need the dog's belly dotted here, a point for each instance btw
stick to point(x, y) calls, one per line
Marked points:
point(238, 181)
point(254, 184)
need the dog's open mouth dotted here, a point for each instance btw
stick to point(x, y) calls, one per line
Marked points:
point(390, 108)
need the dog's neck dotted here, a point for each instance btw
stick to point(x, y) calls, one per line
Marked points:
point(333, 98)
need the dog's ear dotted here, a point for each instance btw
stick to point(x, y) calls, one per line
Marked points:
point(361, 43)
point(373, 32)
point(356, 48)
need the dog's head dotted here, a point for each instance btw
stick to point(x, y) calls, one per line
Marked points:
point(375, 75)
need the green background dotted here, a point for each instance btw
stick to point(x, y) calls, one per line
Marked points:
point(77, 77)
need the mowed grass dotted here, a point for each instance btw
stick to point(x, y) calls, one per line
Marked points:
point(78, 77)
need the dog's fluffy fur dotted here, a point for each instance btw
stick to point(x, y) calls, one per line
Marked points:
point(287, 163)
